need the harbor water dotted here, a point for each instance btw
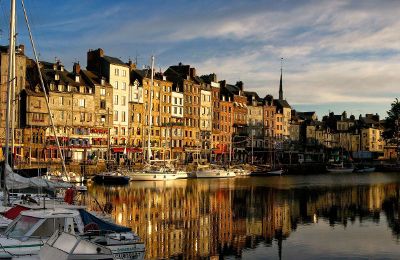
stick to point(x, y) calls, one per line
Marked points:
point(324, 216)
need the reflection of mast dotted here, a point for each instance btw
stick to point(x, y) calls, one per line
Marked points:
point(279, 237)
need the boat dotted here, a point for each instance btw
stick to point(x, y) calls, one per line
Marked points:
point(242, 170)
point(28, 233)
point(340, 168)
point(111, 177)
point(275, 172)
point(364, 169)
point(207, 171)
point(64, 246)
point(154, 173)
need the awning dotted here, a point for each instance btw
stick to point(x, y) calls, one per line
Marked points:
point(128, 149)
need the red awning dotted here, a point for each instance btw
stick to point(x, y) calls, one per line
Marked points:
point(128, 149)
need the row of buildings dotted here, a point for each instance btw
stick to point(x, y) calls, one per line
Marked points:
point(103, 112)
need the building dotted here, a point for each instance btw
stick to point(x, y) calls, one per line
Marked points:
point(255, 126)
point(184, 76)
point(224, 151)
point(115, 73)
point(240, 135)
point(20, 70)
point(206, 106)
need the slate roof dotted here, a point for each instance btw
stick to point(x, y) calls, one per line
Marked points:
point(281, 103)
point(114, 60)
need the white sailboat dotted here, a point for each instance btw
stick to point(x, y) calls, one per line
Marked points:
point(153, 172)
point(208, 171)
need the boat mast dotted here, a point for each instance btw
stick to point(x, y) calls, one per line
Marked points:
point(151, 108)
point(11, 83)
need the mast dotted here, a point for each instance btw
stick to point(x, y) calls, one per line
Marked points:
point(151, 108)
point(11, 83)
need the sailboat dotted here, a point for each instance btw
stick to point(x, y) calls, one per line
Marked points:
point(153, 172)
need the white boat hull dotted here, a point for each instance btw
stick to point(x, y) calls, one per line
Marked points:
point(141, 176)
point(215, 174)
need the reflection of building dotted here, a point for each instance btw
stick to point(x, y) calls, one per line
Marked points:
point(207, 219)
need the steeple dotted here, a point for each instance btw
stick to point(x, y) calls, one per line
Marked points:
point(280, 84)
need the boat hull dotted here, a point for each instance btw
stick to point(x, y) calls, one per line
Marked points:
point(104, 179)
point(215, 174)
point(340, 170)
point(153, 176)
point(365, 170)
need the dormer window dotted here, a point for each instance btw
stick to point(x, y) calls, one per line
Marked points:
point(52, 86)
point(82, 89)
point(102, 81)
point(76, 78)
point(69, 88)
point(56, 77)
point(60, 87)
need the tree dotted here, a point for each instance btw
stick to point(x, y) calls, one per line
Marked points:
point(392, 120)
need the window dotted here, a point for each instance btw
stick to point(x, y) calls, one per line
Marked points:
point(82, 102)
point(116, 72)
point(102, 104)
point(123, 101)
point(82, 117)
point(102, 92)
point(115, 115)
point(116, 84)
point(61, 100)
point(123, 85)
point(124, 73)
point(115, 99)
point(123, 116)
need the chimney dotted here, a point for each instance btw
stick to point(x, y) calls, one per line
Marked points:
point(93, 60)
point(131, 65)
point(77, 68)
point(239, 84)
point(192, 72)
point(21, 49)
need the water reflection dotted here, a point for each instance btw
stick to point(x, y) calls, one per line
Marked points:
point(211, 218)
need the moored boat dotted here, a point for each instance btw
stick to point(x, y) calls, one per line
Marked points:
point(205, 171)
point(31, 229)
point(154, 173)
point(113, 177)
point(364, 169)
point(275, 172)
point(340, 168)
point(64, 246)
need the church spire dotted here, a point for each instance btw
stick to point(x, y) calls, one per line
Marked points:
point(280, 84)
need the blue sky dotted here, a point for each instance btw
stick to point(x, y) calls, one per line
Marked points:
point(338, 55)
